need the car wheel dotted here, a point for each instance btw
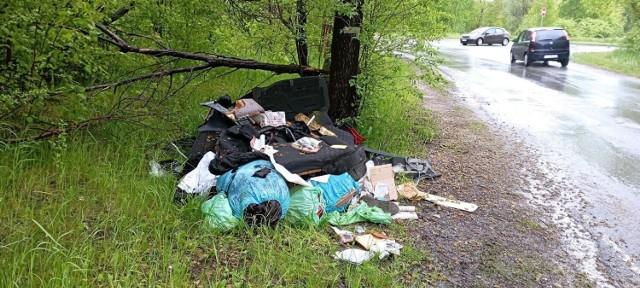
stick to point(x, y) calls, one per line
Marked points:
point(505, 41)
point(479, 41)
point(513, 57)
point(527, 61)
point(564, 62)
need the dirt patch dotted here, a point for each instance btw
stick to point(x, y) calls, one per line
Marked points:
point(506, 242)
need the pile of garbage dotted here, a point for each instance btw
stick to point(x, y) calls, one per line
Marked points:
point(275, 156)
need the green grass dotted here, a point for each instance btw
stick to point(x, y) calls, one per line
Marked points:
point(596, 41)
point(83, 211)
point(393, 118)
point(96, 218)
point(620, 61)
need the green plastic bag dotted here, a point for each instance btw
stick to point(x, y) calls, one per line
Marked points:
point(360, 213)
point(304, 205)
point(217, 213)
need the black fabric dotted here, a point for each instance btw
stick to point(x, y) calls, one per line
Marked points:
point(233, 149)
point(353, 163)
point(262, 173)
point(265, 213)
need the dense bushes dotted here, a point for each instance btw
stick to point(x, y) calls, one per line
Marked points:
point(597, 28)
point(568, 24)
point(632, 38)
point(590, 28)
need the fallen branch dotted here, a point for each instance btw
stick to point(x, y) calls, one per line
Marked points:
point(70, 127)
point(212, 61)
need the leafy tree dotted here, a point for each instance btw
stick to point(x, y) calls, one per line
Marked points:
point(632, 37)
point(459, 16)
point(572, 9)
point(68, 65)
point(533, 18)
point(516, 11)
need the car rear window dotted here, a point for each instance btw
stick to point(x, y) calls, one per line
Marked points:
point(550, 35)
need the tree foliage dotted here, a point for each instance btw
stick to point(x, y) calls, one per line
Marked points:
point(66, 65)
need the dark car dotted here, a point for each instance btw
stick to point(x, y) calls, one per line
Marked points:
point(541, 44)
point(486, 35)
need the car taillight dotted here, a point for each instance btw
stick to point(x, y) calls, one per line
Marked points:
point(533, 36)
point(566, 35)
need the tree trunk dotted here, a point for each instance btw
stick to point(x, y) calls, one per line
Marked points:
point(345, 53)
point(301, 34)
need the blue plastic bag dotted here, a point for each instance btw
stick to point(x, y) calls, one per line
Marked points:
point(243, 189)
point(336, 187)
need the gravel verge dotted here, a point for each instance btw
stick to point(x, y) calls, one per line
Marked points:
point(507, 242)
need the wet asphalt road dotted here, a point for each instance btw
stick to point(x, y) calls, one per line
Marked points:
point(584, 126)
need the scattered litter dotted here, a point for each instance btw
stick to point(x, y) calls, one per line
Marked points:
point(407, 208)
point(359, 230)
point(405, 216)
point(341, 147)
point(244, 108)
point(164, 167)
point(354, 256)
point(382, 247)
point(270, 118)
point(345, 236)
point(383, 182)
point(156, 169)
point(307, 145)
point(410, 191)
point(380, 235)
point(413, 167)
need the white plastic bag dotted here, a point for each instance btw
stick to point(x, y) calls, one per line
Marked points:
point(200, 180)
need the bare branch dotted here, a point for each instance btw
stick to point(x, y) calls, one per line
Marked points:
point(143, 77)
point(119, 14)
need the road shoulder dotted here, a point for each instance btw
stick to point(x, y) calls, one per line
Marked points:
point(506, 241)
